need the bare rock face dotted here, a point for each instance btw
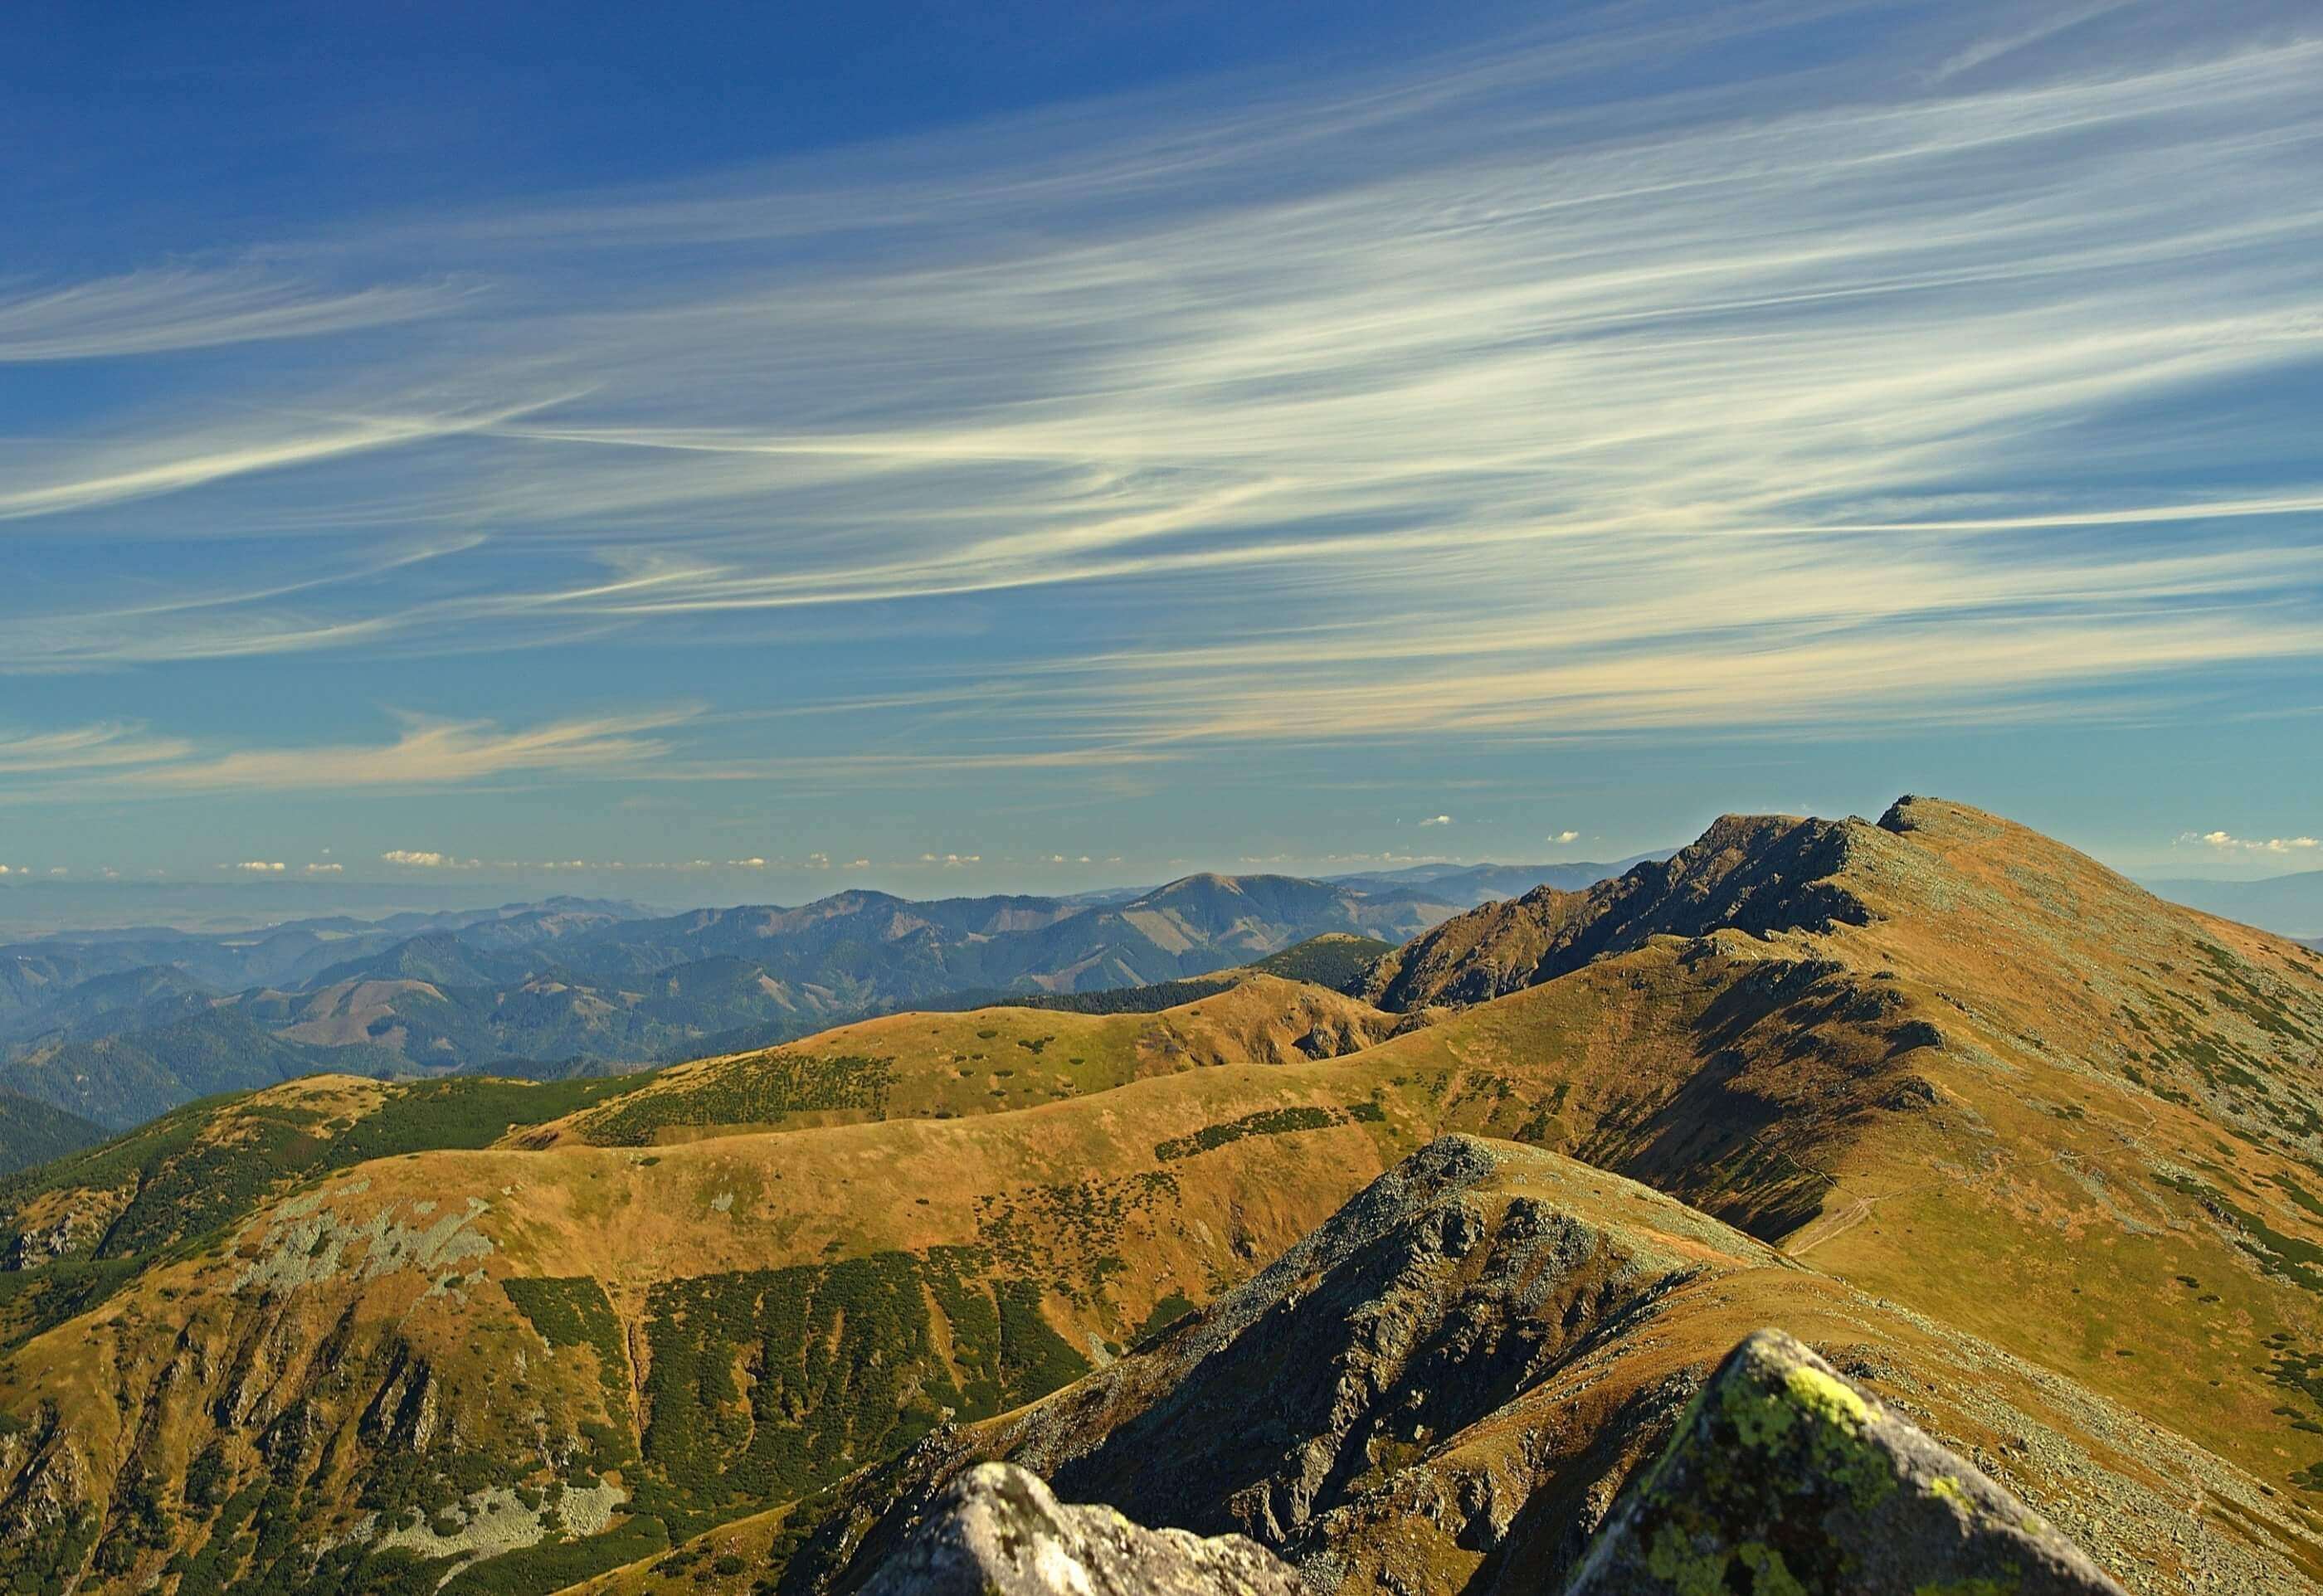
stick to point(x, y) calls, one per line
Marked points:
point(1758, 873)
point(998, 1531)
point(1786, 1477)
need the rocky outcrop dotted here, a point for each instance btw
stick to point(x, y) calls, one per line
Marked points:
point(1783, 1477)
point(1786, 1477)
point(1328, 1399)
point(1461, 1379)
point(1413, 1313)
point(998, 1531)
point(47, 1516)
point(1758, 873)
point(65, 1227)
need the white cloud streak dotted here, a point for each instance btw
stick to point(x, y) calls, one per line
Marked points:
point(120, 761)
point(99, 747)
point(150, 312)
point(1459, 400)
point(426, 754)
point(52, 481)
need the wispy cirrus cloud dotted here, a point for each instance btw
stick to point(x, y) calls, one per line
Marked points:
point(1458, 399)
point(100, 746)
point(425, 755)
point(152, 312)
point(55, 480)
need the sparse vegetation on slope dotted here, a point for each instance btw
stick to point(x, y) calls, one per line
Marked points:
point(1332, 960)
point(74, 1229)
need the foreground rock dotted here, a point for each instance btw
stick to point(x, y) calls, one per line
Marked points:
point(998, 1531)
point(1784, 1477)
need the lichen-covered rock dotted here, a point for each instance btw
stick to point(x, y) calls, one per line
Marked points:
point(998, 1531)
point(1786, 1480)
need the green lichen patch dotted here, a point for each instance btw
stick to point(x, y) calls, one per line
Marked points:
point(1783, 1480)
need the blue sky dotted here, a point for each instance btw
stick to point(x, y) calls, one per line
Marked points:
point(721, 451)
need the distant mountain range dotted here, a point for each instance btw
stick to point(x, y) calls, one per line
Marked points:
point(119, 1026)
point(2287, 906)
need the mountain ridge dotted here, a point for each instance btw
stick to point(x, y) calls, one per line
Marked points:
point(1754, 873)
point(1969, 1108)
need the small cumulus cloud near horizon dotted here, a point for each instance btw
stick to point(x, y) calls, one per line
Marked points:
point(426, 859)
point(2228, 842)
point(1436, 819)
point(1565, 835)
point(257, 867)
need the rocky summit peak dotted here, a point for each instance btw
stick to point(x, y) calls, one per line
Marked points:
point(1759, 873)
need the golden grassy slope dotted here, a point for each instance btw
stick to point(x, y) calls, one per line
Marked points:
point(943, 1066)
point(1431, 1406)
point(2041, 1105)
point(2022, 1096)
